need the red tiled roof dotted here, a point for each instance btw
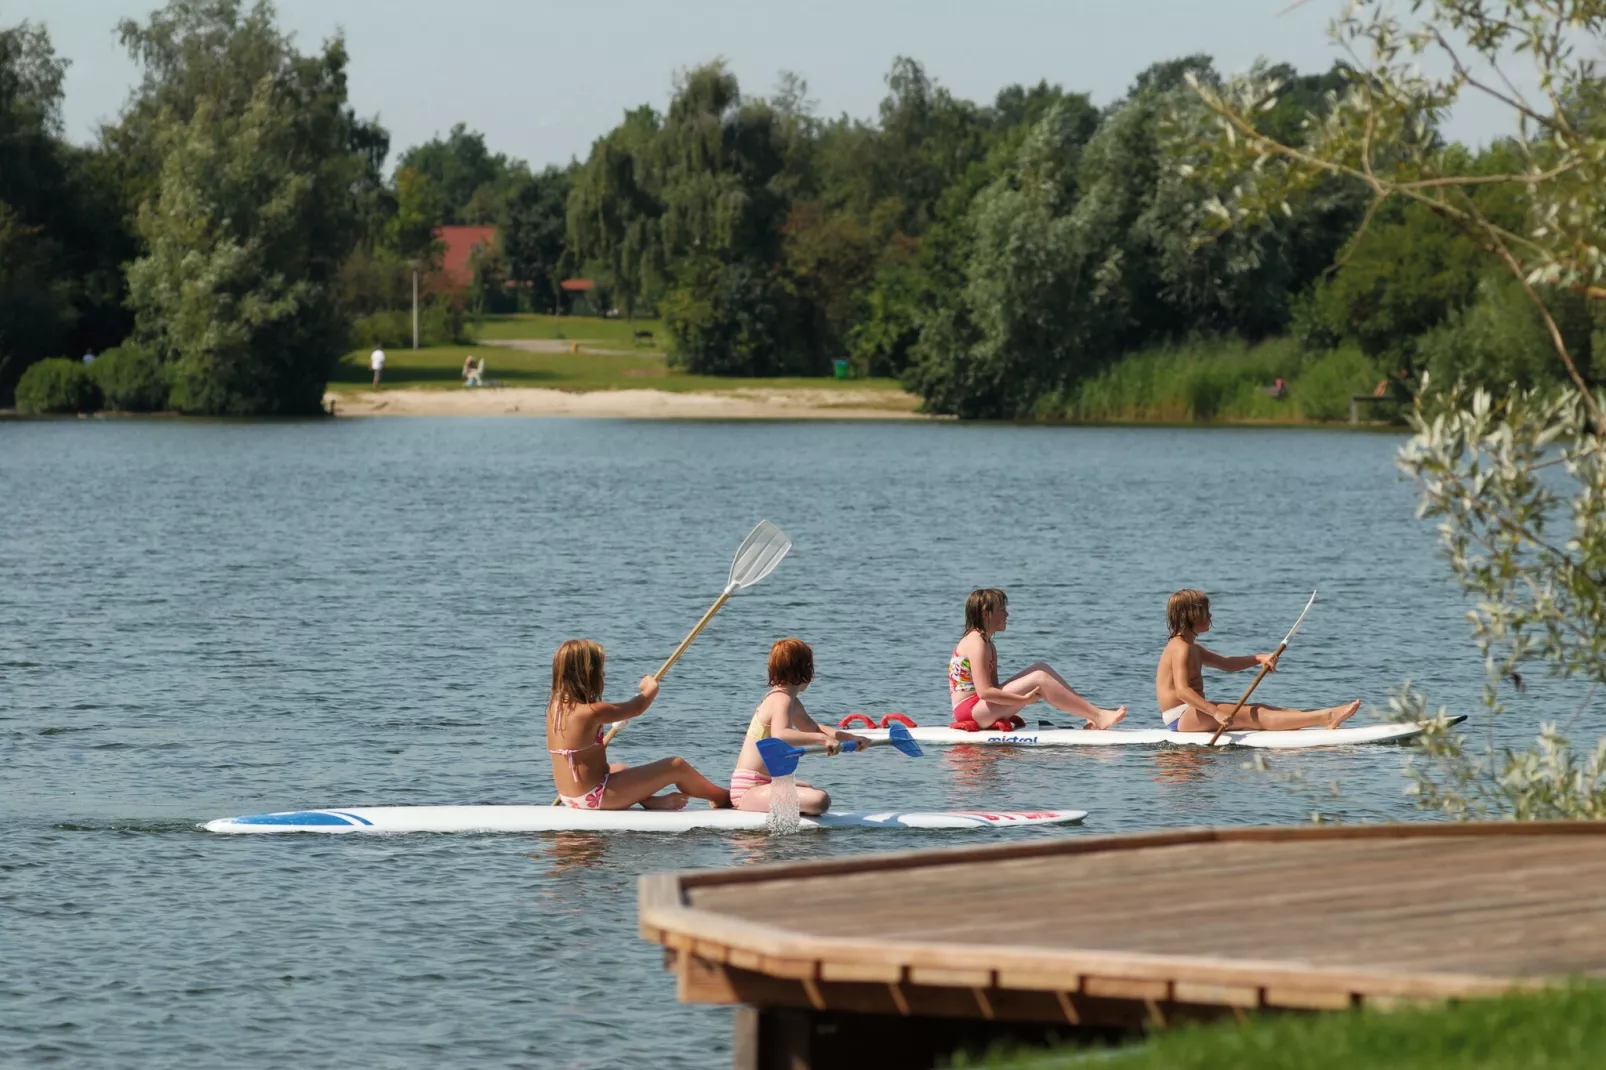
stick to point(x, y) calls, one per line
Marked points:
point(460, 243)
point(578, 285)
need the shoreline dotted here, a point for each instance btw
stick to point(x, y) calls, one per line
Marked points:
point(633, 404)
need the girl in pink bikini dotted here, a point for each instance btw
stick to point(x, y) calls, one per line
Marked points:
point(980, 701)
point(780, 715)
point(575, 715)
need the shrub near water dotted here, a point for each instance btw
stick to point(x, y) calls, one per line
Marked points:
point(132, 379)
point(437, 326)
point(1221, 379)
point(1323, 389)
point(57, 385)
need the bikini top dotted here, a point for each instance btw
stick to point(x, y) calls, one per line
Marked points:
point(959, 675)
point(568, 753)
point(759, 727)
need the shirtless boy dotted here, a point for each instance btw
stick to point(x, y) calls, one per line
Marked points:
point(1179, 682)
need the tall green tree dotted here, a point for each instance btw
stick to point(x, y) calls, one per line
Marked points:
point(535, 235)
point(1036, 301)
point(36, 310)
point(64, 233)
point(613, 210)
point(474, 182)
point(254, 210)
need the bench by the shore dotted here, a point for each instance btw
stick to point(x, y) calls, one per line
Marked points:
point(894, 960)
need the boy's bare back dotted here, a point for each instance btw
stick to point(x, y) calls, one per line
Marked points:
point(1180, 663)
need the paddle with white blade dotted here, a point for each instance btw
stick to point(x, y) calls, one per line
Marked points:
point(780, 757)
point(1264, 669)
point(755, 558)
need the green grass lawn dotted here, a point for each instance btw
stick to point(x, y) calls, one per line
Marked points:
point(1558, 1030)
point(605, 333)
point(440, 367)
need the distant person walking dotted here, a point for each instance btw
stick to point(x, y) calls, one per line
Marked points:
point(376, 361)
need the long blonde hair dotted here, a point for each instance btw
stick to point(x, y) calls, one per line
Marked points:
point(577, 676)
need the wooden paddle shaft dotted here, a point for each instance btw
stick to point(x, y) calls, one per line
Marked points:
point(1259, 676)
point(679, 650)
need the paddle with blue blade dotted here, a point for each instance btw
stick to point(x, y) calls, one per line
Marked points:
point(780, 757)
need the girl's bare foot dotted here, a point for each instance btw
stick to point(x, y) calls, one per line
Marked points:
point(1340, 714)
point(1106, 718)
point(674, 800)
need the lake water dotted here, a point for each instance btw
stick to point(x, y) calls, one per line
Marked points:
point(204, 619)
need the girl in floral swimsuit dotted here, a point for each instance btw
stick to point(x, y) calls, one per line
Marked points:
point(781, 715)
point(575, 715)
point(980, 701)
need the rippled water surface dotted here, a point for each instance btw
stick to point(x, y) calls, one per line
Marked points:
point(199, 620)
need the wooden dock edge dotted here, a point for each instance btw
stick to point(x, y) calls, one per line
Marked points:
point(723, 960)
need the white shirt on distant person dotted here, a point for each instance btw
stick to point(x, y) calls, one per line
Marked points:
point(377, 360)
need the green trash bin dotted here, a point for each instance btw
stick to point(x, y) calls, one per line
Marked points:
point(841, 368)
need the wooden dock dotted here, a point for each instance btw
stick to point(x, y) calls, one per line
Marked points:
point(895, 960)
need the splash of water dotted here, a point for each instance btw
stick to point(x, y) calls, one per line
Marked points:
point(784, 814)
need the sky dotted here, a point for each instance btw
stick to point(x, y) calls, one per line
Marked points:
point(541, 79)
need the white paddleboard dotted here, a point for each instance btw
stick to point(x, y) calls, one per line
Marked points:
point(1114, 737)
point(396, 819)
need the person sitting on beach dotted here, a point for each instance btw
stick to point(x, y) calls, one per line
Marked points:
point(1179, 681)
point(473, 373)
point(575, 716)
point(780, 715)
point(980, 701)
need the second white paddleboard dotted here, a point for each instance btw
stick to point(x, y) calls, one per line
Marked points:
point(1114, 737)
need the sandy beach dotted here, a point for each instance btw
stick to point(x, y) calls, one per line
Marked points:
point(745, 404)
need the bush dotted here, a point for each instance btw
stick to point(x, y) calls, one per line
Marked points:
point(132, 379)
point(438, 325)
point(1207, 380)
point(1323, 391)
point(57, 385)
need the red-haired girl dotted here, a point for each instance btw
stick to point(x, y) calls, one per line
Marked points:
point(780, 715)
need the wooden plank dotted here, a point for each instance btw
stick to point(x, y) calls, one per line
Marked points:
point(1217, 995)
point(951, 976)
point(992, 930)
point(1314, 999)
point(1126, 988)
point(891, 861)
point(884, 972)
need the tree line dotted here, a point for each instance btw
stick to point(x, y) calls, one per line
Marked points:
point(236, 231)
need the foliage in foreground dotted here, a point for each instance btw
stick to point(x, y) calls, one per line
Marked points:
point(1558, 1030)
point(1519, 487)
point(1514, 470)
